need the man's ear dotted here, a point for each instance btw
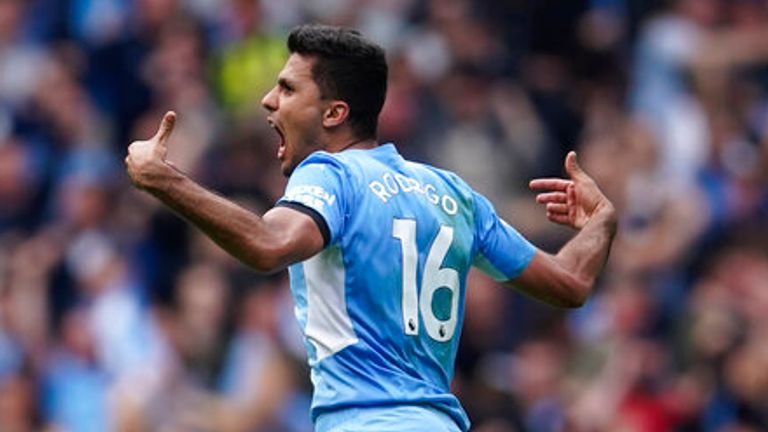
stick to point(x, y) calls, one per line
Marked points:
point(335, 114)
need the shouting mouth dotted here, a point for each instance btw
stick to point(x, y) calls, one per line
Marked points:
point(281, 135)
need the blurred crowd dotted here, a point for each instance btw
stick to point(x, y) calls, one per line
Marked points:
point(115, 315)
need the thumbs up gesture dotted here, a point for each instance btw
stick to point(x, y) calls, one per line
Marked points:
point(146, 162)
point(572, 202)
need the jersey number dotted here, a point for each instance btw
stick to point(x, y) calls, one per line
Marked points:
point(432, 279)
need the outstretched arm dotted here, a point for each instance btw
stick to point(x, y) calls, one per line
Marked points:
point(269, 243)
point(566, 279)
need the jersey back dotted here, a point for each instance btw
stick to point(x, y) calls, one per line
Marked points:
point(381, 307)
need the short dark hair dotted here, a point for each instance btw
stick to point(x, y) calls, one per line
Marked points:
point(347, 67)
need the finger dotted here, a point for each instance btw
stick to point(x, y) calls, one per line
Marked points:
point(555, 184)
point(166, 127)
point(557, 208)
point(571, 200)
point(547, 197)
point(560, 218)
point(572, 166)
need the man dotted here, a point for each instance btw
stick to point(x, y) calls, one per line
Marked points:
point(378, 247)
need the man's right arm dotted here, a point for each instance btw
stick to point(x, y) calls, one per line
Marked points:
point(267, 244)
point(567, 278)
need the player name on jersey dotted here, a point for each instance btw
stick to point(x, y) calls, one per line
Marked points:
point(392, 184)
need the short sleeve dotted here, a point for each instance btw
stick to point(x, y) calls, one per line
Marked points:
point(316, 188)
point(502, 252)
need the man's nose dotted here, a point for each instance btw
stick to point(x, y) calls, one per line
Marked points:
point(269, 101)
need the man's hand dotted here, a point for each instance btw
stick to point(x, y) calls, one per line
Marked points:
point(571, 202)
point(567, 278)
point(146, 162)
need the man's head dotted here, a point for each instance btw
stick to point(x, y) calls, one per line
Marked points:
point(334, 81)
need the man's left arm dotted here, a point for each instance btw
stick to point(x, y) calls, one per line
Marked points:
point(269, 243)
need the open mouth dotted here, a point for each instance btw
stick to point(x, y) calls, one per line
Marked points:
point(281, 135)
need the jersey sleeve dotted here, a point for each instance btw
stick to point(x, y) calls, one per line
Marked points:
point(316, 188)
point(502, 252)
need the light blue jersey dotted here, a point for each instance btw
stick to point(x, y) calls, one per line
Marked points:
point(381, 307)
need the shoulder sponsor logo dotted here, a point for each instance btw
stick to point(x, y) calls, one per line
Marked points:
point(310, 195)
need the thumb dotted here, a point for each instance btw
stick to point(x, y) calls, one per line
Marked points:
point(166, 127)
point(572, 166)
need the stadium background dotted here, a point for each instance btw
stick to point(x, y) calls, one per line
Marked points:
point(115, 315)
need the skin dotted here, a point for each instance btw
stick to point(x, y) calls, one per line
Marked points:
point(268, 243)
point(295, 112)
point(567, 279)
point(306, 122)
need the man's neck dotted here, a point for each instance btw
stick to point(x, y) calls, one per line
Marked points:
point(366, 143)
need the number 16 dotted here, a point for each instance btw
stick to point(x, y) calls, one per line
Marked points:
point(432, 279)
